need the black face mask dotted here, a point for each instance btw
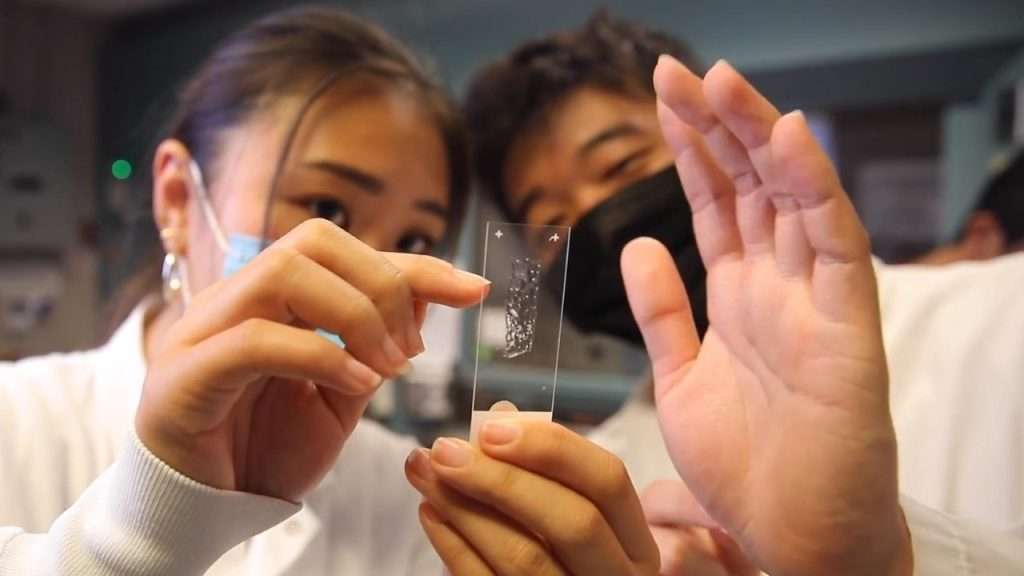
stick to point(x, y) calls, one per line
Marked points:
point(595, 294)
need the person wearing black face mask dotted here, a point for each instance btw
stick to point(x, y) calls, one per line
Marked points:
point(575, 141)
point(565, 131)
point(654, 207)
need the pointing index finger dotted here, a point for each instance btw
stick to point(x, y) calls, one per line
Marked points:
point(437, 281)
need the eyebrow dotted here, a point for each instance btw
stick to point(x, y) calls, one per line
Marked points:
point(434, 209)
point(611, 133)
point(620, 130)
point(374, 185)
point(368, 182)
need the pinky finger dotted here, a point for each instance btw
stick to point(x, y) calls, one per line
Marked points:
point(458, 556)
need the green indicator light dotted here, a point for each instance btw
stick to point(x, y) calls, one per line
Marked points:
point(121, 169)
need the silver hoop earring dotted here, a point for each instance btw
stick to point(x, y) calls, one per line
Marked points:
point(171, 274)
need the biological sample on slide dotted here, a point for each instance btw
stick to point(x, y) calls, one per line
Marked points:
point(521, 307)
point(520, 322)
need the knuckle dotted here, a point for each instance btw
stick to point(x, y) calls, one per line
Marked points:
point(391, 287)
point(362, 313)
point(546, 442)
point(278, 274)
point(506, 480)
point(582, 529)
point(614, 484)
point(248, 335)
point(279, 264)
point(460, 559)
point(317, 229)
point(528, 558)
point(310, 234)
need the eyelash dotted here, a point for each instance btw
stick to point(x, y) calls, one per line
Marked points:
point(405, 243)
point(429, 243)
point(316, 205)
point(557, 220)
point(621, 166)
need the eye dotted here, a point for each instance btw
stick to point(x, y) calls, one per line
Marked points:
point(332, 210)
point(416, 243)
point(557, 220)
point(625, 164)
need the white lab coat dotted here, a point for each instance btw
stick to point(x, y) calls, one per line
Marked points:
point(64, 419)
point(955, 337)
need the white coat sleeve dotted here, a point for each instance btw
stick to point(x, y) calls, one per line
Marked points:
point(945, 545)
point(139, 518)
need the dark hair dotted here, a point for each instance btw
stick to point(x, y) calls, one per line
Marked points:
point(1003, 196)
point(512, 95)
point(299, 52)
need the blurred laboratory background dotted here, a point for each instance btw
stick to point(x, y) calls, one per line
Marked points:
point(915, 100)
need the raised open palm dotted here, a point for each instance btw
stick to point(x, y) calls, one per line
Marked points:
point(779, 421)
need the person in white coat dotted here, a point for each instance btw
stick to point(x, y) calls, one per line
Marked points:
point(995, 225)
point(305, 114)
point(310, 168)
point(567, 131)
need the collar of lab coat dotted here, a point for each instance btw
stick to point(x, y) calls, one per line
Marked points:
point(121, 362)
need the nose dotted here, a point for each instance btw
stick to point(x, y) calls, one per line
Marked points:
point(585, 198)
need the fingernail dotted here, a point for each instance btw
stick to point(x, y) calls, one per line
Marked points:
point(396, 357)
point(451, 453)
point(498, 432)
point(474, 277)
point(415, 340)
point(430, 514)
point(404, 369)
point(362, 374)
point(418, 464)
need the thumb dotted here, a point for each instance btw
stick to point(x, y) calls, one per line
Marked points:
point(670, 503)
point(661, 307)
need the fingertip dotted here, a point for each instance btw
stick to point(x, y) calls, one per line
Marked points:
point(790, 129)
point(362, 376)
point(721, 66)
point(680, 90)
point(476, 279)
point(790, 136)
point(641, 258)
point(450, 454)
point(723, 85)
point(670, 76)
point(429, 514)
point(666, 66)
point(417, 465)
point(498, 433)
point(804, 163)
point(477, 287)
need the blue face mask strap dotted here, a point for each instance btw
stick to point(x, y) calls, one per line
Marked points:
point(207, 206)
point(241, 249)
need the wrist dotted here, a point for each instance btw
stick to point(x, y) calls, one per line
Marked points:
point(886, 550)
point(904, 565)
point(178, 452)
